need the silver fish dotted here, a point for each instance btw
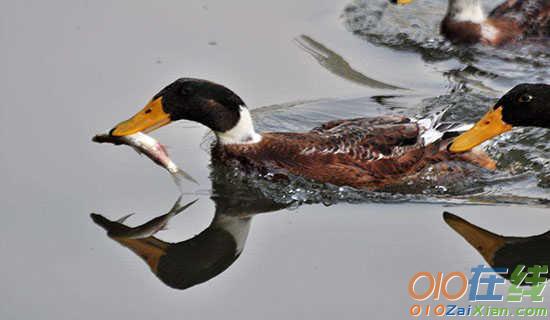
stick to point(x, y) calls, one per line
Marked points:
point(116, 229)
point(154, 150)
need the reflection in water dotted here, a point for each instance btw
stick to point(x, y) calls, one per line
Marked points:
point(334, 63)
point(503, 251)
point(116, 229)
point(193, 261)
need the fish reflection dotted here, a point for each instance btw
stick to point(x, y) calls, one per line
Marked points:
point(193, 261)
point(116, 229)
point(337, 65)
point(503, 251)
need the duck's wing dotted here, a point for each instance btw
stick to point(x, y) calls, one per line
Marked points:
point(393, 144)
point(533, 16)
point(368, 138)
point(394, 130)
point(363, 122)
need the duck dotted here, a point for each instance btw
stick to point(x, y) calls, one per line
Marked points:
point(190, 262)
point(502, 251)
point(366, 153)
point(514, 20)
point(184, 264)
point(525, 105)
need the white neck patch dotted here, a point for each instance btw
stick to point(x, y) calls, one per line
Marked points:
point(466, 10)
point(242, 133)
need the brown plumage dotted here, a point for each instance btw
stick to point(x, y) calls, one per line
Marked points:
point(369, 153)
point(512, 21)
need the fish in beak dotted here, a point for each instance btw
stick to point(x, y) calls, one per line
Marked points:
point(490, 126)
point(151, 117)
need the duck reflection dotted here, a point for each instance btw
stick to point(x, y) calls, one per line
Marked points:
point(503, 251)
point(193, 261)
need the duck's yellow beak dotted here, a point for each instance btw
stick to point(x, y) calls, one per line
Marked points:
point(151, 117)
point(491, 125)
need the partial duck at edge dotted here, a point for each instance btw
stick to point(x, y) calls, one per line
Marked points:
point(525, 105)
point(512, 21)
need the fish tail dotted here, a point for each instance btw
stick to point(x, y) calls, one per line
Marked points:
point(180, 175)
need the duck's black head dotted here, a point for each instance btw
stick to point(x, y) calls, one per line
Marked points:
point(526, 105)
point(208, 103)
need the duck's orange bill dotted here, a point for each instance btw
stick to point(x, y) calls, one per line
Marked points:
point(491, 125)
point(151, 117)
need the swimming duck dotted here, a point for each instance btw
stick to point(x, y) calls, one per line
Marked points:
point(525, 105)
point(364, 153)
point(513, 20)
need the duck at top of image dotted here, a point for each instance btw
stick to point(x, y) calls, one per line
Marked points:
point(366, 153)
point(514, 20)
point(526, 105)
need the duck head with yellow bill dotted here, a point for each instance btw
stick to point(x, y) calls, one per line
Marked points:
point(526, 105)
point(206, 102)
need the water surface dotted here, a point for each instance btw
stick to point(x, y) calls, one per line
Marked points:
point(73, 68)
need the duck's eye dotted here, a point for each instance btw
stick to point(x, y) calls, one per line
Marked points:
point(525, 98)
point(148, 111)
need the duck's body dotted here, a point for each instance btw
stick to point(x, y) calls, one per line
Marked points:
point(364, 153)
point(512, 21)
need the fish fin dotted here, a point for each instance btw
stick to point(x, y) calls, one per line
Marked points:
point(121, 220)
point(180, 175)
point(177, 208)
point(164, 149)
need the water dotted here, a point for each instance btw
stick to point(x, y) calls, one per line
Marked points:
point(72, 69)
